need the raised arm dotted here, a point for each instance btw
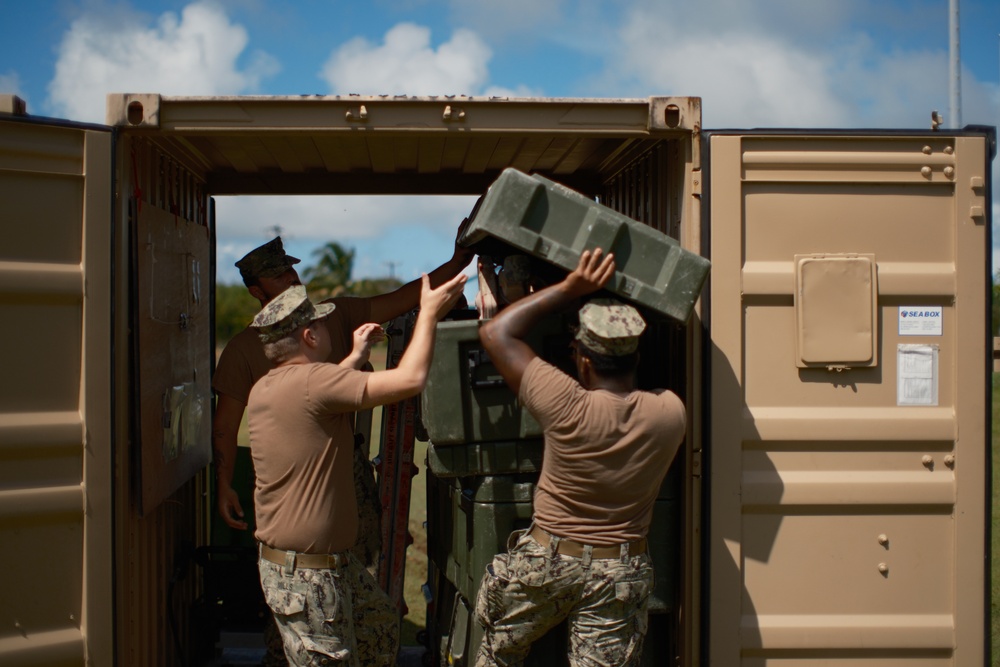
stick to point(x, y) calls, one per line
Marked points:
point(410, 376)
point(385, 307)
point(503, 336)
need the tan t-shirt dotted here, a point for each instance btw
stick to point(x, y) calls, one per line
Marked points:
point(302, 449)
point(605, 455)
point(242, 362)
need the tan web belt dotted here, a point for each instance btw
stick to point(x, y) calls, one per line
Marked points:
point(293, 559)
point(575, 549)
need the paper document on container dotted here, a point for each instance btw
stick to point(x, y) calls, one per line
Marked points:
point(917, 374)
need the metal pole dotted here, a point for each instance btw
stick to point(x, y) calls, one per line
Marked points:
point(955, 103)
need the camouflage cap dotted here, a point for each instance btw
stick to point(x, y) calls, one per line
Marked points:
point(287, 312)
point(610, 327)
point(267, 261)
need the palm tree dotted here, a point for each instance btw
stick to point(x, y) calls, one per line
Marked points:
point(331, 275)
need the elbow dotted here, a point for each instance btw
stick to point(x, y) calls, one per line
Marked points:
point(487, 335)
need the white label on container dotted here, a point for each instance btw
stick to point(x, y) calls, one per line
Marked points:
point(920, 320)
point(917, 374)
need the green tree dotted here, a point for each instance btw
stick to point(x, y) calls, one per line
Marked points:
point(234, 310)
point(331, 274)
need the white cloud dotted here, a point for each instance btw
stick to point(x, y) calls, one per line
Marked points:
point(347, 217)
point(194, 54)
point(766, 65)
point(405, 63)
point(417, 228)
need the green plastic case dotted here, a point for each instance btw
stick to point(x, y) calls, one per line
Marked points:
point(549, 221)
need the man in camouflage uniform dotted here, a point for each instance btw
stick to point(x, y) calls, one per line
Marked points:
point(267, 271)
point(328, 607)
point(607, 450)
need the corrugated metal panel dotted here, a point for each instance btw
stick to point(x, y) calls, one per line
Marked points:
point(55, 419)
point(847, 527)
point(162, 503)
point(158, 582)
point(420, 145)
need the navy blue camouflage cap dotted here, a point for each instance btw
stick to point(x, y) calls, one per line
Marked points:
point(610, 327)
point(287, 312)
point(267, 261)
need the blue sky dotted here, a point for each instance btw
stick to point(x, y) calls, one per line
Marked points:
point(755, 63)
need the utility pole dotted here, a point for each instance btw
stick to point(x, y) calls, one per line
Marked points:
point(955, 68)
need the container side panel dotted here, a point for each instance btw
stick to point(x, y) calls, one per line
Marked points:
point(847, 500)
point(55, 521)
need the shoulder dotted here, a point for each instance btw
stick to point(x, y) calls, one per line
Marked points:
point(242, 342)
point(667, 404)
point(542, 379)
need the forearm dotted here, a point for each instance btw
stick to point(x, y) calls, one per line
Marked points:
point(409, 377)
point(518, 319)
point(354, 360)
point(387, 306)
point(416, 360)
point(225, 432)
point(224, 457)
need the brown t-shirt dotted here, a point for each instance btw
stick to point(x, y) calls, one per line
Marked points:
point(299, 417)
point(242, 362)
point(605, 455)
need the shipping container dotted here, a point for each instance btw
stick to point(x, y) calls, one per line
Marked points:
point(830, 504)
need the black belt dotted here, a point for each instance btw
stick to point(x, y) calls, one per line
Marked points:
point(294, 559)
point(576, 549)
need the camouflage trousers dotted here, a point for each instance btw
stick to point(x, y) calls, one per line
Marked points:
point(531, 588)
point(274, 656)
point(332, 616)
point(369, 544)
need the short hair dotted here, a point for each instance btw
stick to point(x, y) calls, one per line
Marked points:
point(609, 365)
point(280, 350)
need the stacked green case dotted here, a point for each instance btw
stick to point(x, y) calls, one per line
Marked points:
point(549, 221)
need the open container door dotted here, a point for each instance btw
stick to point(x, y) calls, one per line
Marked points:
point(849, 395)
point(56, 429)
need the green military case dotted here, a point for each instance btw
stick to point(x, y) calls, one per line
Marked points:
point(465, 399)
point(486, 458)
point(552, 222)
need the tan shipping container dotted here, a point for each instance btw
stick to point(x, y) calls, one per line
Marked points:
point(836, 370)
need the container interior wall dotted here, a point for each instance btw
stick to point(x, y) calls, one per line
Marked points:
point(158, 578)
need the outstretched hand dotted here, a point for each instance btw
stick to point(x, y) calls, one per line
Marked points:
point(591, 273)
point(440, 300)
point(365, 336)
point(462, 256)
